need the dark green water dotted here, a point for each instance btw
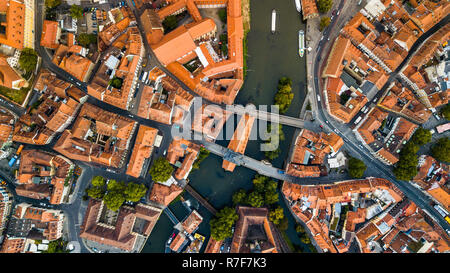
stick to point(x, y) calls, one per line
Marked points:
point(270, 57)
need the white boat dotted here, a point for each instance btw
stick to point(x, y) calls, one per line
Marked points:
point(298, 5)
point(301, 43)
point(274, 19)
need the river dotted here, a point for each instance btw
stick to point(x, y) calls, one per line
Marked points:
point(270, 57)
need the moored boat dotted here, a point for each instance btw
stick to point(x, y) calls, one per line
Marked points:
point(301, 43)
point(274, 19)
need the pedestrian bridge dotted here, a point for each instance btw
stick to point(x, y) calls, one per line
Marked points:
point(264, 115)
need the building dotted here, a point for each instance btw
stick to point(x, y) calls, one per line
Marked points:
point(191, 42)
point(97, 136)
point(142, 151)
point(239, 141)
point(51, 33)
point(191, 223)
point(309, 9)
point(319, 207)
point(309, 152)
point(164, 100)
point(35, 223)
point(72, 59)
point(384, 134)
point(115, 82)
point(121, 231)
point(163, 195)
point(41, 173)
point(254, 233)
point(12, 32)
point(13, 245)
point(55, 109)
point(9, 77)
point(187, 152)
point(6, 199)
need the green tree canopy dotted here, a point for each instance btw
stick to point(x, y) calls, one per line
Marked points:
point(57, 246)
point(114, 185)
point(276, 215)
point(95, 192)
point(284, 96)
point(299, 228)
point(161, 170)
point(52, 3)
point(271, 197)
point(259, 183)
point(85, 39)
point(98, 181)
point(406, 167)
point(222, 223)
point(274, 141)
point(409, 149)
point(445, 111)
point(202, 155)
point(223, 15)
point(421, 136)
point(28, 59)
point(324, 22)
point(76, 11)
point(441, 150)
point(134, 192)
point(116, 82)
point(239, 197)
point(356, 167)
point(170, 23)
point(114, 200)
point(324, 5)
point(255, 199)
point(304, 238)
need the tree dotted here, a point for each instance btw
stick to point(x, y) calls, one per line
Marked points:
point(239, 197)
point(356, 167)
point(259, 183)
point(409, 148)
point(98, 181)
point(304, 238)
point(276, 215)
point(324, 5)
point(299, 228)
point(52, 3)
point(441, 150)
point(445, 111)
point(170, 23)
point(324, 22)
point(28, 59)
point(406, 167)
point(271, 197)
point(85, 39)
point(113, 185)
point(223, 15)
point(255, 199)
point(421, 136)
point(134, 192)
point(222, 223)
point(161, 170)
point(57, 246)
point(95, 192)
point(114, 200)
point(116, 82)
point(283, 224)
point(284, 96)
point(202, 155)
point(76, 11)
